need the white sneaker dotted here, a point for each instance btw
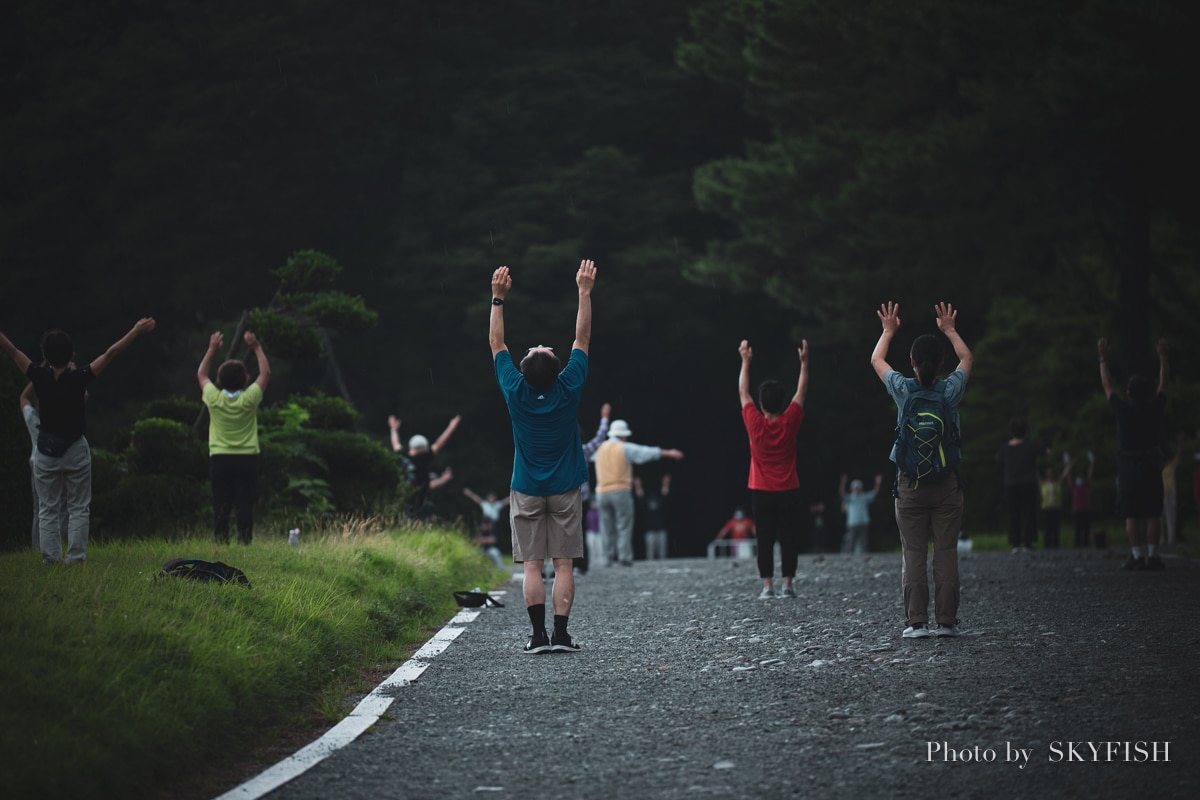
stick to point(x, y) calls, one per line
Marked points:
point(945, 630)
point(767, 593)
point(917, 632)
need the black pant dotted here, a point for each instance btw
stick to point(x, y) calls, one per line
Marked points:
point(1022, 513)
point(777, 518)
point(234, 483)
point(1083, 528)
point(1051, 520)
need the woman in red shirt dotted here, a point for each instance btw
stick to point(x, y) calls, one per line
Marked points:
point(774, 486)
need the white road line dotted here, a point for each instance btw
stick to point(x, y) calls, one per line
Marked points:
point(364, 715)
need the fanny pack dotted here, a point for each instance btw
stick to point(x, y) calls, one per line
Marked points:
point(53, 445)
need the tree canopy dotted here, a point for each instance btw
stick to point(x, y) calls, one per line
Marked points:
point(761, 169)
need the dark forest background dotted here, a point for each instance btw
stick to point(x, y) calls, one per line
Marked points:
point(768, 170)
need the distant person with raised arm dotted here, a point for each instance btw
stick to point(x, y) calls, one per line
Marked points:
point(615, 460)
point(233, 449)
point(856, 505)
point(591, 549)
point(417, 462)
point(927, 509)
point(545, 510)
point(1081, 503)
point(1139, 457)
point(774, 484)
point(63, 462)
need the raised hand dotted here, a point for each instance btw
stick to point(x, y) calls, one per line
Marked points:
point(889, 316)
point(946, 317)
point(803, 351)
point(586, 277)
point(744, 350)
point(501, 282)
point(215, 341)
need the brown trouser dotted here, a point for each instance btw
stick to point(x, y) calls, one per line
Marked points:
point(930, 511)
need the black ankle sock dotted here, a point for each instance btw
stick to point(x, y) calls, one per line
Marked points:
point(537, 615)
point(560, 623)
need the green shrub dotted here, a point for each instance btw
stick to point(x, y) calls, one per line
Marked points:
point(361, 472)
point(163, 446)
point(324, 413)
point(143, 505)
point(108, 470)
point(180, 409)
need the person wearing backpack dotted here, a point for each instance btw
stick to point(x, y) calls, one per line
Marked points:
point(929, 495)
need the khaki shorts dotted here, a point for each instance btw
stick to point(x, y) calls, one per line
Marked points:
point(546, 527)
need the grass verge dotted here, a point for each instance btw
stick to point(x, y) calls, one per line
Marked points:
point(118, 682)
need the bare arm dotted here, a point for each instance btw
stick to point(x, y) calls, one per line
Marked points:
point(675, 454)
point(637, 488)
point(26, 398)
point(501, 283)
point(474, 497)
point(144, 325)
point(878, 482)
point(842, 486)
point(446, 434)
point(744, 376)
point(585, 279)
point(947, 318)
point(889, 316)
point(394, 433)
point(666, 484)
point(264, 367)
point(1164, 368)
point(441, 480)
point(20, 359)
point(205, 368)
point(1105, 376)
point(802, 384)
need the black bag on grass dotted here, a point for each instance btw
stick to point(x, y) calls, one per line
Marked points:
point(476, 599)
point(204, 571)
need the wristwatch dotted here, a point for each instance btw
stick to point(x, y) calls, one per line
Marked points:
point(496, 301)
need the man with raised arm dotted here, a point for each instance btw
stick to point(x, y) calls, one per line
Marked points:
point(548, 464)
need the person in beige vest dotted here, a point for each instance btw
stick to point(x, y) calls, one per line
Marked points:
point(614, 489)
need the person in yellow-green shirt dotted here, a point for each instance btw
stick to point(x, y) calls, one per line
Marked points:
point(1051, 489)
point(233, 435)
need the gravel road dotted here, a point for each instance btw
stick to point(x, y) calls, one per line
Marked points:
point(688, 686)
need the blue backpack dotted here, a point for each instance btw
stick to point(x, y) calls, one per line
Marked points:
point(927, 440)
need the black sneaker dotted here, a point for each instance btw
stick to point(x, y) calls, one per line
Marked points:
point(1155, 563)
point(538, 643)
point(561, 643)
point(1134, 564)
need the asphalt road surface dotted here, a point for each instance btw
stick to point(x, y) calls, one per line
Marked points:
point(1071, 679)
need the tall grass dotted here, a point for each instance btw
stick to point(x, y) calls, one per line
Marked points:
point(115, 681)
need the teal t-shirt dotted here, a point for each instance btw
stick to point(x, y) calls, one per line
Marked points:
point(548, 457)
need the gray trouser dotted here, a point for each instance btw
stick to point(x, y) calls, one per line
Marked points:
point(656, 544)
point(932, 511)
point(616, 524)
point(68, 477)
point(37, 528)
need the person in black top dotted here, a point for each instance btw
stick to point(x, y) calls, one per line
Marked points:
point(62, 464)
point(654, 520)
point(418, 466)
point(1019, 457)
point(1139, 457)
